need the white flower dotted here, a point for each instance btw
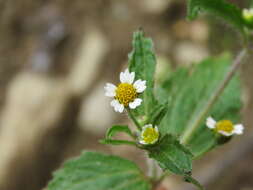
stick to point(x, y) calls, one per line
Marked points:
point(248, 14)
point(126, 93)
point(224, 127)
point(149, 135)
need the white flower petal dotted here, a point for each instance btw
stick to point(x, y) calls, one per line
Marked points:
point(122, 77)
point(210, 122)
point(238, 129)
point(120, 108)
point(117, 106)
point(156, 129)
point(127, 77)
point(135, 103)
point(110, 90)
point(140, 85)
point(225, 133)
point(142, 142)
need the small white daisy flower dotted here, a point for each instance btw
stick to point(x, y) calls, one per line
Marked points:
point(149, 135)
point(126, 93)
point(224, 127)
point(248, 14)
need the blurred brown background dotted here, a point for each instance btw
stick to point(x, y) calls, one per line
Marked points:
point(56, 56)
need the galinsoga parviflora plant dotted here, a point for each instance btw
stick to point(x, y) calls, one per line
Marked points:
point(178, 119)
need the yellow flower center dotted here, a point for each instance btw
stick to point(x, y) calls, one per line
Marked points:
point(224, 125)
point(125, 93)
point(150, 135)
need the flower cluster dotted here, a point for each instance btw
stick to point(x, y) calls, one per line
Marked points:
point(126, 95)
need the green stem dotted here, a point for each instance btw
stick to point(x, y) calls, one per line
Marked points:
point(134, 119)
point(196, 123)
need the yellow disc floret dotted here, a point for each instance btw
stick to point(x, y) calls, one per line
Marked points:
point(125, 93)
point(150, 135)
point(224, 125)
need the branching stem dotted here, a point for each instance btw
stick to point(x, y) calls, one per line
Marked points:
point(196, 123)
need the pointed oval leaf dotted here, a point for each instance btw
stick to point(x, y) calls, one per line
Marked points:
point(142, 61)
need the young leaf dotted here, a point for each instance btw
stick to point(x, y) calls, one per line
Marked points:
point(116, 129)
point(172, 156)
point(142, 61)
point(117, 142)
point(221, 8)
point(96, 171)
point(188, 90)
point(157, 114)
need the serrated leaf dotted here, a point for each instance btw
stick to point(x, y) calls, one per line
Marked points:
point(221, 8)
point(142, 61)
point(172, 156)
point(96, 171)
point(188, 90)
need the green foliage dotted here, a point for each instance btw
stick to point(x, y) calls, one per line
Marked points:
point(116, 129)
point(158, 113)
point(172, 156)
point(221, 8)
point(193, 181)
point(142, 61)
point(188, 90)
point(95, 171)
point(113, 131)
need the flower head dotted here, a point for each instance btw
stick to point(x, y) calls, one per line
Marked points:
point(149, 135)
point(126, 93)
point(224, 127)
point(248, 14)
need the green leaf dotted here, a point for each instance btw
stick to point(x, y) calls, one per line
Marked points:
point(142, 61)
point(188, 91)
point(193, 181)
point(157, 114)
point(117, 142)
point(172, 156)
point(96, 171)
point(113, 131)
point(118, 128)
point(221, 8)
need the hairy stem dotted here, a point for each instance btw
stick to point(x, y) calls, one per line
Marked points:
point(134, 119)
point(196, 123)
